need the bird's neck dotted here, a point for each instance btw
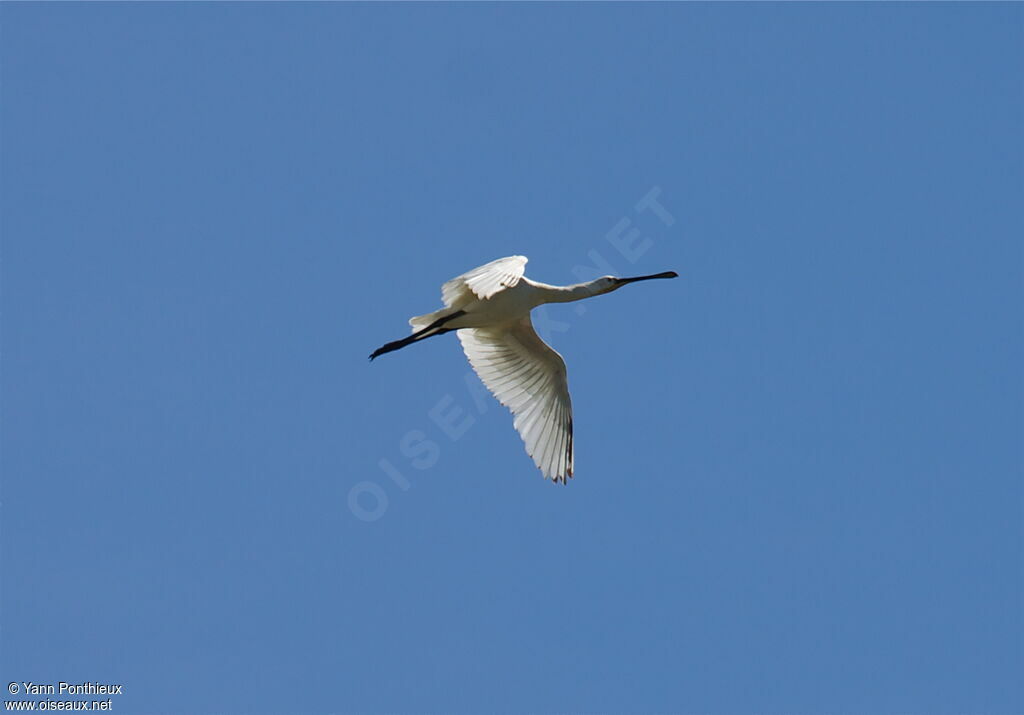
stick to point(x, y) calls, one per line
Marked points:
point(565, 294)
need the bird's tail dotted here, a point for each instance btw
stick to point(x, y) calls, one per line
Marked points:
point(420, 322)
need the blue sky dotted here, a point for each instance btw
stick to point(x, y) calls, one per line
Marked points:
point(798, 483)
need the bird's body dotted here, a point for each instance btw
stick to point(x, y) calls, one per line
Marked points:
point(490, 308)
point(510, 303)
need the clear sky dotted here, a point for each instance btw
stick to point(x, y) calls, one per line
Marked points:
point(799, 466)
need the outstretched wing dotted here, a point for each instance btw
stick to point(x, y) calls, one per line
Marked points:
point(528, 377)
point(485, 281)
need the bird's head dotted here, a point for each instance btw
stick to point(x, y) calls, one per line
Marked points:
point(606, 284)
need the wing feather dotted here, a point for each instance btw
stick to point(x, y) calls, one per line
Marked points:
point(529, 378)
point(485, 281)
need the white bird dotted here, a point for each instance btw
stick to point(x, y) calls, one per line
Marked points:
point(490, 308)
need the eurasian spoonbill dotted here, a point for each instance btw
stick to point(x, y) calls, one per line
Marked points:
point(490, 308)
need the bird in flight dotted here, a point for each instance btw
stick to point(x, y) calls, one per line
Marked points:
point(490, 308)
